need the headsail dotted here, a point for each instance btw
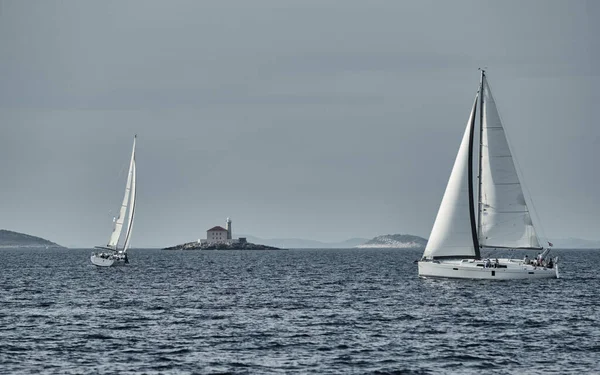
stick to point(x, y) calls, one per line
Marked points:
point(131, 210)
point(114, 238)
point(451, 235)
point(505, 217)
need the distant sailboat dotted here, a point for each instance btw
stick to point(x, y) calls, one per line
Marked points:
point(111, 254)
point(503, 217)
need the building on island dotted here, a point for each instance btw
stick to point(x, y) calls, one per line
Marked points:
point(216, 234)
point(219, 234)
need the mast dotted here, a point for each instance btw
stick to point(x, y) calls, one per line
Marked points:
point(470, 179)
point(480, 191)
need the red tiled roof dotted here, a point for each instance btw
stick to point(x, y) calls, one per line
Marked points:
point(217, 228)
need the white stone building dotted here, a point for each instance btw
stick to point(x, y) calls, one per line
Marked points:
point(216, 234)
point(219, 234)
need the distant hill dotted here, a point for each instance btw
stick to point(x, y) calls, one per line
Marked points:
point(396, 241)
point(298, 243)
point(9, 238)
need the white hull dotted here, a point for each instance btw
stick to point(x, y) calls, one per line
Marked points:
point(112, 260)
point(102, 262)
point(506, 269)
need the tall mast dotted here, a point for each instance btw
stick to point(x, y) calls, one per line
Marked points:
point(470, 179)
point(479, 208)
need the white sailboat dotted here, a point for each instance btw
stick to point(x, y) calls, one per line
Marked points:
point(497, 219)
point(111, 254)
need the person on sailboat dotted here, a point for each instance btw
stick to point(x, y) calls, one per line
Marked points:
point(526, 259)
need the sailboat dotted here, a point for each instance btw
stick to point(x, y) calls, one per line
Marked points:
point(497, 219)
point(111, 254)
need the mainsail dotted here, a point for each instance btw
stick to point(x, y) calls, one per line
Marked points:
point(131, 210)
point(505, 220)
point(451, 235)
point(114, 238)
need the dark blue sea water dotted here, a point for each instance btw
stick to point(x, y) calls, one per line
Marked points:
point(298, 311)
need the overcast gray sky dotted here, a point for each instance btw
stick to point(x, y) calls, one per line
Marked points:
point(314, 119)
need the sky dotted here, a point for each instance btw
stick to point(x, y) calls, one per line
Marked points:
point(312, 119)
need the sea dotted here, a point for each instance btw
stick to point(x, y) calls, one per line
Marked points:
point(301, 311)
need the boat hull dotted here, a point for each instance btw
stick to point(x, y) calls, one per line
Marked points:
point(118, 259)
point(505, 269)
point(102, 262)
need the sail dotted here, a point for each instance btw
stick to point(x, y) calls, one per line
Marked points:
point(505, 220)
point(116, 233)
point(131, 210)
point(452, 234)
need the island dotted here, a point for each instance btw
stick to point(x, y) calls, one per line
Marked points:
point(219, 238)
point(10, 239)
point(221, 246)
point(396, 241)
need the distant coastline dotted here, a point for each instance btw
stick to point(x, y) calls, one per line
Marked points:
point(15, 240)
point(395, 241)
point(387, 241)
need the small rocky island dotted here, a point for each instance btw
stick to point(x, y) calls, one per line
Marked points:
point(10, 239)
point(219, 238)
point(221, 246)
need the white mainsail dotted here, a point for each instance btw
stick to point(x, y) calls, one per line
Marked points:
point(116, 233)
point(452, 234)
point(131, 210)
point(505, 220)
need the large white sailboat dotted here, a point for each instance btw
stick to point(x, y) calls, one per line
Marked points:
point(497, 219)
point(111, 254)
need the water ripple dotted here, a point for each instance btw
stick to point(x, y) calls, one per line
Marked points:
point(298, 311)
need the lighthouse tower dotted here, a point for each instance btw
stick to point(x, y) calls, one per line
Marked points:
point(228, 227)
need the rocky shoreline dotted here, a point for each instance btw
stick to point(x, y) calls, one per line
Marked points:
point(221, 246)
